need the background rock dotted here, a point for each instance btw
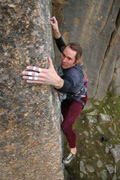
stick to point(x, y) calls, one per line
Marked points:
point(116, 153)
point(104, 118)
point(90, 168)
point(99, 164)
point(82, 168)
point(103, 174)
point(110, 168)
point(96, 25)
point(91, 119)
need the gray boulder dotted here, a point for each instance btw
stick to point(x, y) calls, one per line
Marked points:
point(116, 153)
point(104, 118)
point(110, 168)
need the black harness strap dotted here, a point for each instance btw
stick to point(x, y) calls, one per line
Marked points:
point(83, 104)
point(69, 96)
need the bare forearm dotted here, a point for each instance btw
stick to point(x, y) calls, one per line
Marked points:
point(54, 24)
point(59, 82)
point(56, 34)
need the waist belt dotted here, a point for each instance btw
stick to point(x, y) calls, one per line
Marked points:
point(69, 96)
point(80, 93)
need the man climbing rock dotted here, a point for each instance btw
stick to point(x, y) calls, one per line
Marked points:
point(71, 82)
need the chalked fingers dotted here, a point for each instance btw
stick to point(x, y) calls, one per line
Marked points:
point(34, 68)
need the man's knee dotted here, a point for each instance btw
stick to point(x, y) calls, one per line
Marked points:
point(66, 129)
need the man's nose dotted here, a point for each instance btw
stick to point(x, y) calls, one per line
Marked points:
point(64, 59)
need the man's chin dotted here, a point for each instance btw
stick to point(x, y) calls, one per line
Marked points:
point(64, 67)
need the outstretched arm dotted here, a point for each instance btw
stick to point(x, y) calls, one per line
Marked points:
point(48, 76)
point(58, 39)
point(54, 24)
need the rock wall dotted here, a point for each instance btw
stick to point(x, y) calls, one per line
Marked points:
point(96, 25)
point(30, 138)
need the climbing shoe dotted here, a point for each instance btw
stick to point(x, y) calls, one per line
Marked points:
point(68, 158)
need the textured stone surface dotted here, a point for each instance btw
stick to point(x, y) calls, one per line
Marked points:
point(110, 168)
point(96, 25)
point(104, 118)
point(116, 78)
point(116, 153)
point(30, 140)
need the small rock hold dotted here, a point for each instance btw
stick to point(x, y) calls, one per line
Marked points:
point(103, 174)
point(107, 150)
point(90, 168)
point(91, 119)
point(81, 174)
point(104, 118)
point(116, 153)
point(99, 129)
point(86, 133)
point(110, 168)
point(92, 113)
point(96, 103)
point(114, 102)
point(115, 177)
point(99, 164)
point(82, 168)
point(111, 131)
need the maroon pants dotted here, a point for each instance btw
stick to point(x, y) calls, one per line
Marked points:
point(71, 111)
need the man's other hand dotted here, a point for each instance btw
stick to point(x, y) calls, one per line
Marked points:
point(54, 24)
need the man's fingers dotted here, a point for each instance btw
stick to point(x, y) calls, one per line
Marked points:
point(34, 68)
point(31, 77)
point(34, 74)
point(30, 73)
point(53, 19)
point(50, 62)
point(53, 22)
point(37, 81)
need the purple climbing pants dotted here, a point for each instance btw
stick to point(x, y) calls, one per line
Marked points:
point(71, 111)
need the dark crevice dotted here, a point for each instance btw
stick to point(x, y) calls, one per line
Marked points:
point(110, 85)
point(117, 23)
point(104, 59)
point(118, 20)
point(109, 45)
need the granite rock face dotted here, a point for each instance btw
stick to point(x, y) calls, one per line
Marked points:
point(96, 26)
point(30, 140)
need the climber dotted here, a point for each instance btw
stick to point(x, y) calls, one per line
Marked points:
point(70, 82)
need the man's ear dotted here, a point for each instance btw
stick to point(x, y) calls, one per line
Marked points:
point(79, 60)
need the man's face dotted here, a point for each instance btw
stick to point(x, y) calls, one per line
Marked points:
point(68, 58)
